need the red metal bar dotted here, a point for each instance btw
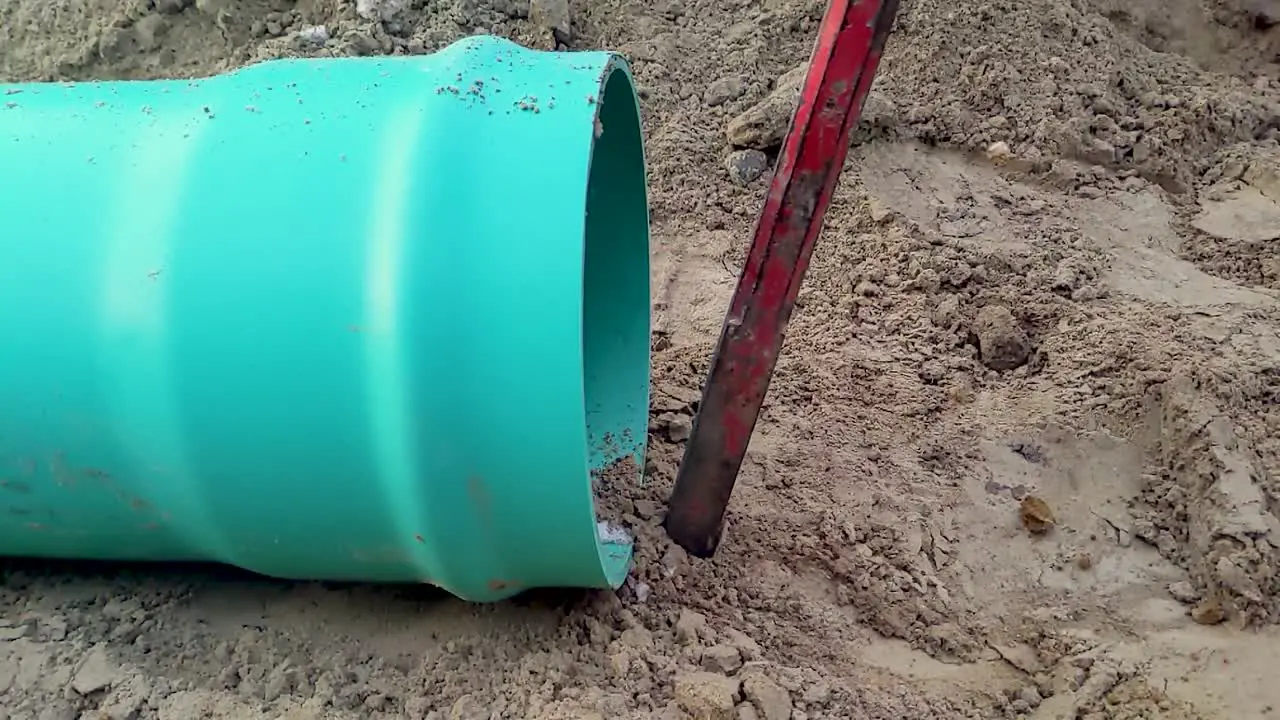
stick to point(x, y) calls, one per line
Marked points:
point(841, 71)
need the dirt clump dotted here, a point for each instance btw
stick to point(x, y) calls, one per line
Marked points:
point(1210, 512)
point(1002, 344)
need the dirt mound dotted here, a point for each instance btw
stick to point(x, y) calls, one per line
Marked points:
point(1048, 273)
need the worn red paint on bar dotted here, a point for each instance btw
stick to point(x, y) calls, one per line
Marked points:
point(840, 74)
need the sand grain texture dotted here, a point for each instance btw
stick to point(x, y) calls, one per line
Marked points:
point(1047, 272)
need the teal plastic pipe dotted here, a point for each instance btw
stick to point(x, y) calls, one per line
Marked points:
point(376, 319)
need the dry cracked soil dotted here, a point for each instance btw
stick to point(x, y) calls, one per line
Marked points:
point(1021, 457)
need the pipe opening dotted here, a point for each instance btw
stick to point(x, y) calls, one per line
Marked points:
point(615, 313)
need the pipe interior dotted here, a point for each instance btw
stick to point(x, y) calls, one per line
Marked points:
point(615, 309)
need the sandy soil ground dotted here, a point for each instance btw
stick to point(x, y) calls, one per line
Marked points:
point(1048, 273)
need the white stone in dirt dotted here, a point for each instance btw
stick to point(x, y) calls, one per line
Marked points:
point(314, 34)
point(999, 151)
point(608, 532)
point(379, 10)
point(770, 699)
point(707, 695)
point(97, 672)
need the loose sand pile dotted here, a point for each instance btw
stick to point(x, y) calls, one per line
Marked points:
point(1048, 273)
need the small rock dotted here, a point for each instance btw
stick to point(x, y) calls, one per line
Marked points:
point(620, 662)
point(1208, 612)
point(689, 626)
point(999, 152)
point(746, 166)
point(313, 35)
point(638, 638)
point(723, 90)
point(722, 658)
point(1066, 277)
point(675, 561)
point(879, 211)
point(818, 693)
point(1098, 151)
point(1031, 696)
point(746, 645)
point(958, 276)
point(769, 698)
point(1086, 293)
point(54, 628)
point(927, 280)
point(707, 696)
point(948, 312)
point(417, 708)
point(127, 702)
point(113, 44)
point(1237, 580)
point(1002, 344)
point(467, 707)
point(213, 8)
point(932, 372)
point(97, 672)
point(878, 112)
point(379, 10)
point(679, 427)
point(1134, 183)
point(1021, 656)
point(1184, 592)
point(149, 31)
point(554, 16)
point(1036, 516)
point(764, 125)
point(746, 711)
